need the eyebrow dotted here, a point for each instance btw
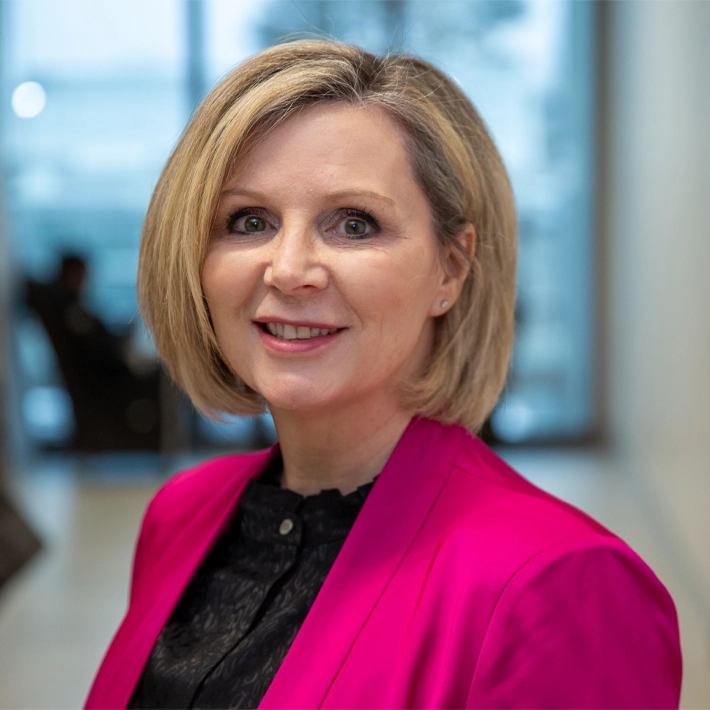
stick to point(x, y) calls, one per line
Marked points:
point(333, 196)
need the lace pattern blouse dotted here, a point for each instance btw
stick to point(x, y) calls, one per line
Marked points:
point(233, 626)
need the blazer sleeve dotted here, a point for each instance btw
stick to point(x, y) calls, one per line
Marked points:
point(583, 624)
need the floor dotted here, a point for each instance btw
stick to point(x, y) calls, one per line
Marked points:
point(58, 615)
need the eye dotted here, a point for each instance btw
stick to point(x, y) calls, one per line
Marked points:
point(355, 227)
point(252, 224)
point(246, 222)
point(357, 224)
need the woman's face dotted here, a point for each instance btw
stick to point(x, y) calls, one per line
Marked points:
point(323, 275)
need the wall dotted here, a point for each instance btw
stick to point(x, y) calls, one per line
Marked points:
point(657, 191)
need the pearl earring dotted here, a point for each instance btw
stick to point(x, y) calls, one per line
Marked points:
point(444, 304)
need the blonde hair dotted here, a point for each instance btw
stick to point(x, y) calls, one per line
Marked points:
point(454, 161)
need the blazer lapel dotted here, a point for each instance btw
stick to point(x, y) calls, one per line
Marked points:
point(383, 532)
point(163, 584)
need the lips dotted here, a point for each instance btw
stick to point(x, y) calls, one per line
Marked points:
point(296, 339)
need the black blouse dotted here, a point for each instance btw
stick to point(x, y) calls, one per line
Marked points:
point(233, 626)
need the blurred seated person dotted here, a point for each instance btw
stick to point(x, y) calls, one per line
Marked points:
point(116, 405)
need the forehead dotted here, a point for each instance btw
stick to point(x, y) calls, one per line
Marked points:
point(353, 147)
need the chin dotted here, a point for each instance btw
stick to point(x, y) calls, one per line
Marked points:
point(295, 402)
point(304, 397)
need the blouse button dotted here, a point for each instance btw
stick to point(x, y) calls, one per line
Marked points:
point(286, 526)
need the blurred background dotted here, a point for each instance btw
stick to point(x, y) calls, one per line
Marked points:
point(601, 111)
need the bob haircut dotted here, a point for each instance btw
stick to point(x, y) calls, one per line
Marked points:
point(454, 161)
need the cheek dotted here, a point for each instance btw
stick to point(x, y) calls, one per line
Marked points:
point(211, 278)
point(404, 284)
point(394, 293)
point(224, 284)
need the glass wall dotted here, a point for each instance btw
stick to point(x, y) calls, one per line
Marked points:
point(95, 95)
point(107, 81)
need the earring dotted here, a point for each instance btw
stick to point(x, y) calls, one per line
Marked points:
point(444, 304)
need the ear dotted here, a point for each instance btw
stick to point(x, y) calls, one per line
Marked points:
point(456, 263)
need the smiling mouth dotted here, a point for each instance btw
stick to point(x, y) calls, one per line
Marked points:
point(286, 331)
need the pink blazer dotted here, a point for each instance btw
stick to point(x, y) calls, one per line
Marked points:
point(460, 585)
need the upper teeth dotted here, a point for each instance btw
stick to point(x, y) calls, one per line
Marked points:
point(297, 332)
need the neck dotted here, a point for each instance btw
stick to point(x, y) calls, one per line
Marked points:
point(343, 449)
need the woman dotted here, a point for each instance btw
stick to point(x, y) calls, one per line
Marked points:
point(334, 237)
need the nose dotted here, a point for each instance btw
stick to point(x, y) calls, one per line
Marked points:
point(295, 266)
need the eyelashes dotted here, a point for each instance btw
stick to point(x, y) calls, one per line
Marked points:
point(350, 223)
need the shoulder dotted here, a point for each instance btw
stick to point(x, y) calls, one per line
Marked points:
point(195, 498)
point(193, 486)
point(485, 495)
point(490, 518)
point(567, 603)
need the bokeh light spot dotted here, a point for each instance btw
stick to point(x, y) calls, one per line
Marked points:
point(28, 99)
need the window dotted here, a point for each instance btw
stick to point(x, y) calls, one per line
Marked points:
point(119, 80)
